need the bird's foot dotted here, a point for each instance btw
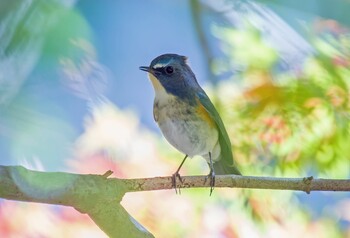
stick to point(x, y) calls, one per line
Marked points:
point(173, 181)
point(210, 176)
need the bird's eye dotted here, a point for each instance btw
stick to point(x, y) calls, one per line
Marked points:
point(169, 69)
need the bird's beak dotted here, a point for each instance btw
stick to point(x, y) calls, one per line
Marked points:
point(149, 70)
point(145, 68)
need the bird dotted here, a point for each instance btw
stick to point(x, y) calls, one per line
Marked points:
point(187, 118)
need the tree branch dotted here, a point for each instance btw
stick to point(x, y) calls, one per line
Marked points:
point(306, 184)
point(100, 197)
point(196, 13)
point(95, 195)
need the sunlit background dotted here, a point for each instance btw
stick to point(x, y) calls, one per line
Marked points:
point(73, 99)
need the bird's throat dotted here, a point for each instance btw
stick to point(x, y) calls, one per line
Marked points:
point(158, 87)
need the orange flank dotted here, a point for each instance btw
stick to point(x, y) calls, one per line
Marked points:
point(203, 113)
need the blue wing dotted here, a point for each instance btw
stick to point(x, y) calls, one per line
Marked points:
point(225, 164)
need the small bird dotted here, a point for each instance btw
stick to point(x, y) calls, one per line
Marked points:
point(187, 117)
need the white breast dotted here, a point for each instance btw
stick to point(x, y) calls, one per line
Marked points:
point(183, 128)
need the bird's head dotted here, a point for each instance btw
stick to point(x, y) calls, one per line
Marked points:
point(171, 73)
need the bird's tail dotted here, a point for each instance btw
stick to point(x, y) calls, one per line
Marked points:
point(221, 168)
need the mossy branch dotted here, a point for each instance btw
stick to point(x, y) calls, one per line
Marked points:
point(100, 196)
point(95, 195)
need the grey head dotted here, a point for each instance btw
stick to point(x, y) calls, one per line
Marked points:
point(174, 74)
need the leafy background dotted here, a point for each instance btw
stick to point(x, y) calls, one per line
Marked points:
point(72, 99)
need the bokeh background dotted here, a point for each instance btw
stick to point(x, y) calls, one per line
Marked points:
point(73, 99)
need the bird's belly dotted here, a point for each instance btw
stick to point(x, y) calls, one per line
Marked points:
point(187, 131)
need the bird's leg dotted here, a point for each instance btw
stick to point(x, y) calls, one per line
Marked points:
point(177, 175)
point(211, 175)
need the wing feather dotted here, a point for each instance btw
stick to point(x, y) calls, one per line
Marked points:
point(225, 165)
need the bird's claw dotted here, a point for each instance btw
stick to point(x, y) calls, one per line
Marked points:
point(173, 181)
point(210, 176)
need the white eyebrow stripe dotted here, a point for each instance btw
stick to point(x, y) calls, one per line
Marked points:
point(159, 65)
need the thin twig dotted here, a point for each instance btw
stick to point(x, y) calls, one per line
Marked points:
point(306, 184)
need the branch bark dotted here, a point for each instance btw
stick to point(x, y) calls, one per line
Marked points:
point(95, 195)
point(100, 197)
point(306, 184)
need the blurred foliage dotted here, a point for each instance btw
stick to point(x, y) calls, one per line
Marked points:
point(300, 120)
point(293, 123)
point(45, 49)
